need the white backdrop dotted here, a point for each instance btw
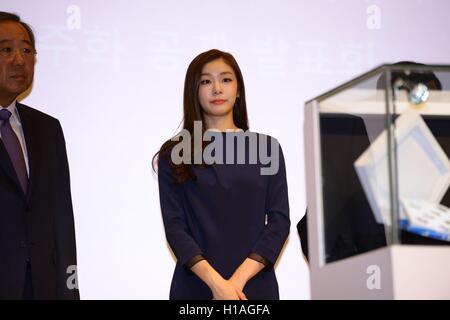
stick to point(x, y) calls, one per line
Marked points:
point(113, 71)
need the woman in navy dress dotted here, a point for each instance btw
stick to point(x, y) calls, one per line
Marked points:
point(225, 218)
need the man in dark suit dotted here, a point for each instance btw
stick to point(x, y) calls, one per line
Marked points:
point(37, 236)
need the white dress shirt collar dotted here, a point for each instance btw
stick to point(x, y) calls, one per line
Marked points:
point(14, 113)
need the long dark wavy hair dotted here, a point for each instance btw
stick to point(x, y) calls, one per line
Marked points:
point(192, 110)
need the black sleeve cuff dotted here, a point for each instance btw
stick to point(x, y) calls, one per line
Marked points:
point(191, 262)
point(261, 259)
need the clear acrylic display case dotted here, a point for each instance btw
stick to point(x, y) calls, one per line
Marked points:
point(378, 174)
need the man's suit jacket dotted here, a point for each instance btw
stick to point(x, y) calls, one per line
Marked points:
point(37, 226)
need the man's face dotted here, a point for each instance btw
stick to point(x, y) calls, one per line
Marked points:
point(17, 59)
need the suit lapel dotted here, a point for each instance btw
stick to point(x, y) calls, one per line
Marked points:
point(30, 134)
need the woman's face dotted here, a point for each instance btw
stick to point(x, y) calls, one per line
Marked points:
point(218, 89)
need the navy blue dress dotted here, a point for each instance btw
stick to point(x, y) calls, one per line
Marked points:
point(229, 212)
